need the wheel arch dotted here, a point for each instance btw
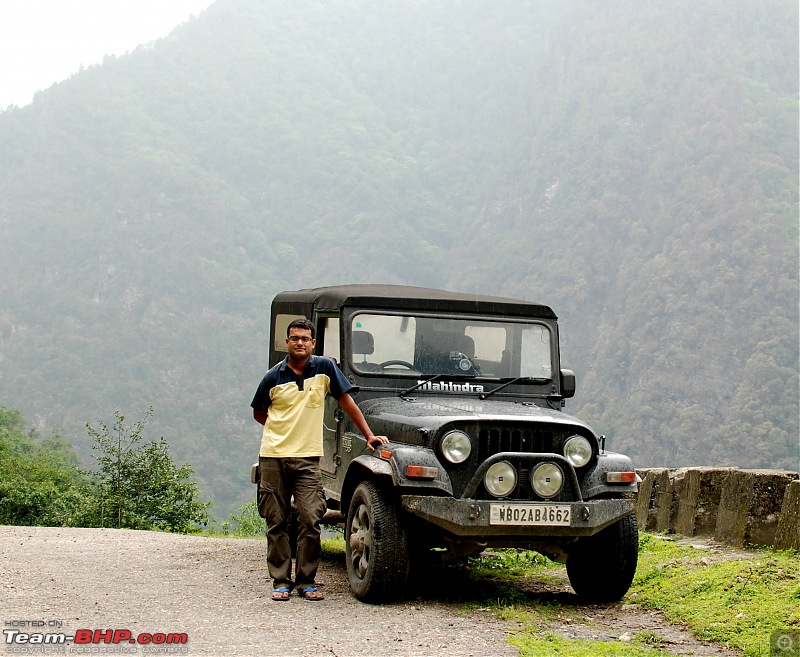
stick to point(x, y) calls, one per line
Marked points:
point(364, 468)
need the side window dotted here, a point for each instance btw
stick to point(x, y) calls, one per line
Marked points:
point(279, 331)
point(331, 329)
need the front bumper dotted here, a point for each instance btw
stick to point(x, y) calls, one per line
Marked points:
point(469, 518)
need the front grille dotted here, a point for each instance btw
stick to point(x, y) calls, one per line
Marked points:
point(516, 439)
point(502, 439)
point(541, 439)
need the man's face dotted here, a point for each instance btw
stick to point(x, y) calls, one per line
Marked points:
point(299, 343)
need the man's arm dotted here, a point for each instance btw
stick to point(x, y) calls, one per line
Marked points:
point(351, 408)
point(259, 416)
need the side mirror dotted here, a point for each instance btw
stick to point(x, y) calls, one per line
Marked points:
point(567, 383)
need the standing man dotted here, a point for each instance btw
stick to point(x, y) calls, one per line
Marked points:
point(290, 404)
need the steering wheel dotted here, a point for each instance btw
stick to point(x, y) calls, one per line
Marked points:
point(403, 363)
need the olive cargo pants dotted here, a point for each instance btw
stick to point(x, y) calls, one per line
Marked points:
point(282, 478)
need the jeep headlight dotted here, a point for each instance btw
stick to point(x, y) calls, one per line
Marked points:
point(547, 479)
point(500, 479)
point(578, 451)
point(456, 446)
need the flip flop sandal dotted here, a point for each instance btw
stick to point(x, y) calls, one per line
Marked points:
point(310, 593)
point(281, 594)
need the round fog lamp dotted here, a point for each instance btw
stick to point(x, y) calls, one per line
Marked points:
point(578, 451)
point(547, 479)
point(456, 446)
point(500, 479)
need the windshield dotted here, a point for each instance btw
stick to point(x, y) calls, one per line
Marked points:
point(430, 345)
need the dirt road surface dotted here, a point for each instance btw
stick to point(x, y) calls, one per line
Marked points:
point(216, 592)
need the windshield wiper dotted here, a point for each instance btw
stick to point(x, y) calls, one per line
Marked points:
point(531, 379)
point(435, 377)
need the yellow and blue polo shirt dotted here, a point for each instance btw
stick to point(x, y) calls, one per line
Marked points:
point(295, 406)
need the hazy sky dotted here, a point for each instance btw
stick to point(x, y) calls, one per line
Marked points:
point(46, 41)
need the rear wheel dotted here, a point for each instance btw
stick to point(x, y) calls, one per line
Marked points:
point(376, 545)
point(601, 567)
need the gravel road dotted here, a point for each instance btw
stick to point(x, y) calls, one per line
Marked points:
point(215, 591)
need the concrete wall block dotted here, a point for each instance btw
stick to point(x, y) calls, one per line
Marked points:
point(663, 502)
point(768, 497)
point(734, 506)
point(750, 505)
point(646, 498)
point(699, 501)
point(687, 504)
point(643, 498)
point(787, 536)
point(678, 481)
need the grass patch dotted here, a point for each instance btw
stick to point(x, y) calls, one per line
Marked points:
point(738, 602)
point(505, 567)
point(510, 563)
point(731, 598)
point(548, 643)
point(333, 546)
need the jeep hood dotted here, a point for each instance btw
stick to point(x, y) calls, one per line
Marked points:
point(390, 415)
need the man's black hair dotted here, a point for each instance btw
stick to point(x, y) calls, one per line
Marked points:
point(301, 323)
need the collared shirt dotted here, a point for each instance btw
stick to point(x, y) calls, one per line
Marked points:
point(295, 406)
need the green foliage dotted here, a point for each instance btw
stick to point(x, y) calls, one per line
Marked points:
point(139, 486)
point(39, 484)
point(247, 523)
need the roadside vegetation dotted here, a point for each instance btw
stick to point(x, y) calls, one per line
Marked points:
point(735, 598)
point(135, 484)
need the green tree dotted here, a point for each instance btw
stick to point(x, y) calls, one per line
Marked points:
point(139, 485)
point(39, 483)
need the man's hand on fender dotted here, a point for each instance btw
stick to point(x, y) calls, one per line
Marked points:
point(374, 441)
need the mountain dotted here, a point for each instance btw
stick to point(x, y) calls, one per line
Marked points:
point(632, 165)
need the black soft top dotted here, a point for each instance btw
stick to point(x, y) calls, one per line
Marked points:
point(406, 297)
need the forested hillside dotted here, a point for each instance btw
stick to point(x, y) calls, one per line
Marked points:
point(633, 165)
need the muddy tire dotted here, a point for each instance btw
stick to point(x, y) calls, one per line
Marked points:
point(601, 567)
point(376, 546)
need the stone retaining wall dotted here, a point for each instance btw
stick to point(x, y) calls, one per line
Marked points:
point(737, 507)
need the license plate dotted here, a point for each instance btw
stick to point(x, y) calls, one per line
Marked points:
point(530, 514)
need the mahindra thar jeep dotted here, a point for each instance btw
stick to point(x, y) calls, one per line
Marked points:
point(470, 390)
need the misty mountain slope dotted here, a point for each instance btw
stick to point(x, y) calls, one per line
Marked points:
point(669, 185)
point(635, 168)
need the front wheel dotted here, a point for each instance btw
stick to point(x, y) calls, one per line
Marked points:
point(376, 546)
point(601, 567)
